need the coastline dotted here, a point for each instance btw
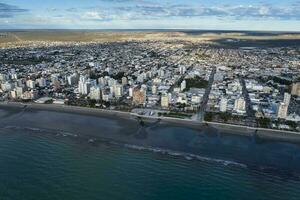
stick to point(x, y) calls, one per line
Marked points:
point(113, 114)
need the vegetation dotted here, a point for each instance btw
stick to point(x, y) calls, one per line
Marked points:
point(263, 122)
point(223, 117)
point(196, 83)
point(118, 76)
point(208, 116)
point(281, 81)
point(176, 115)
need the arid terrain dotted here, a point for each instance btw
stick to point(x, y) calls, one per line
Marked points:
point(26, 37)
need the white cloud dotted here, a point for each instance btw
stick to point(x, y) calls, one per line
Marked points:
point(93, 15)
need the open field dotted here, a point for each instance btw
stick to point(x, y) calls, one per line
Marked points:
point(24, 37)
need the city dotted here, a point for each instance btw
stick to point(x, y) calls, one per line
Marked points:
point(149, 100)
point(247, 86)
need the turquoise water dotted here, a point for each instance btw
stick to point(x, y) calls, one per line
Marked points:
point(45, 166)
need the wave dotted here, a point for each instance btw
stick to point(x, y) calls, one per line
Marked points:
point(40, 130)
point(187, 156)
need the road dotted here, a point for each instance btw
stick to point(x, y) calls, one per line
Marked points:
point(250, 121)
point(202, 109)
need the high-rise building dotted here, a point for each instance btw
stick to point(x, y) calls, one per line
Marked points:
point(124, 81)
point(240, 105)
point(7, 86)
point(154, 89)
point(165, 101)
point(287, 98)
point(139, 96)
point(182, 69)
point(296, 89)
point(131, 91)
point(95, 93)
point(84, 87)
point(183, 85)
point(42, 82)
point(223, 105)
point(282, 111)
point(19, 91)
point(30, 84)
point(72, 79)
point(13, 94)
point(118, 90)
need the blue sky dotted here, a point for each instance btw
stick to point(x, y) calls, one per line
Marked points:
point(272, 15)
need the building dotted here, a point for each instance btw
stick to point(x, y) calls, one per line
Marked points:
point(130, 92)
point(30, 84)
point(196, 99)
point(183, 85)
point(139, 96)
point(84, 86)
point(29, 95)
point(165, 101)
point(182, 70)
point(56, 85)
point(19, 92)
point(13, 94)
point(95, 93)
point(6, 86)
point(287, 98)
point(240, 105)
point(223, 105)
point(296, 89)
point(42, 82)
point(282, 111)
point(124, 81)
point(118, 91)
point(72, 79)
point(154, 89)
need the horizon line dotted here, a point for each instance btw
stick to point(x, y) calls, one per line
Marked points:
point(145, 29)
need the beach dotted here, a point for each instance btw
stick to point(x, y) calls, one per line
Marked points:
point(128, 120)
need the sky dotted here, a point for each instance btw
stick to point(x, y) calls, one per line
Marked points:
point(268, 15)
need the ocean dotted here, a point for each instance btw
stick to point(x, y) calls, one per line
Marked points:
point(49, 155)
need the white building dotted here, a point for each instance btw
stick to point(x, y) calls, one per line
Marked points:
point(42, 82)
point(165, 101)
point(19, 92)
point(154, 89)
point(30, 84)
point(240, 105)
point(183, 85)
point(95, 93)
point(223, 105)
point(6, 86)
point(182, 69)
point(72, 79)
point(287, 98)
point(84, 87)
point(118, 91)
point(196, 99)
point(282, 110)
point(124, 81)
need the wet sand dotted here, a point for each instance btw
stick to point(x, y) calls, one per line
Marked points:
point(127, 123)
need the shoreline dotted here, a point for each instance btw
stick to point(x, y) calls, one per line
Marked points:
point(224, 128)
